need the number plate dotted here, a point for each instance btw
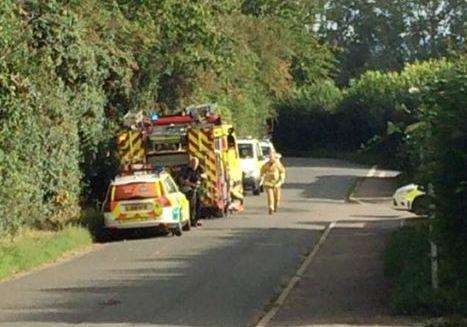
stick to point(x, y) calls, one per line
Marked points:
point(136, 207)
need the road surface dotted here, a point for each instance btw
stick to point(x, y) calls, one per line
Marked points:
point(222, 274)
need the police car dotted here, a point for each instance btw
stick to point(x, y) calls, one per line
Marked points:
point(146, 199)
point(410, 197)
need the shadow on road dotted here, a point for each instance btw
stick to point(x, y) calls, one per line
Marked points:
point(376, 187)
point(228, 280)
point(345, 285)
point(319, 188)
point(375, 217)
point(318, 163)
point(145, 292)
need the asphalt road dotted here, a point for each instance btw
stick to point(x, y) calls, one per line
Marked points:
point(222, 274)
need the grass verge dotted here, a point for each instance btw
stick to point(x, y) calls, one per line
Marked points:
point(407, 264)
point(32, 248)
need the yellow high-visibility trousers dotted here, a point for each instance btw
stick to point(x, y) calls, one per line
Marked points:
point(274, 197)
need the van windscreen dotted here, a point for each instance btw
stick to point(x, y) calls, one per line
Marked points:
point(245, 151)
point(266, 150)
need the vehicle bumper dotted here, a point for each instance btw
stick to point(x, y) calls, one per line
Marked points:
point(400, 204)
point(112, 223)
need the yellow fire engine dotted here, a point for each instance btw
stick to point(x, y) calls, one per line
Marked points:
point(171, 141)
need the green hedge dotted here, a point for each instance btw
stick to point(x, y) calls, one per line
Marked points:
point(53, 99)
point(369, 117)
point(439, 141)
point(70, 70)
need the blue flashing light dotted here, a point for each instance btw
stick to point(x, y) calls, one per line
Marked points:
point(154, 116)
point(159, 169)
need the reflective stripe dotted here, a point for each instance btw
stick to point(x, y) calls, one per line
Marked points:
point(201, 146)
point(131, 147)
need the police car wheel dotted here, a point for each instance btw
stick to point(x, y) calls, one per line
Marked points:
point(163, 231)
point(177, 232)
point(187, 226)
point(420, 206)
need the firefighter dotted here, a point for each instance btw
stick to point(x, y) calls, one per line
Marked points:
point(272, 178)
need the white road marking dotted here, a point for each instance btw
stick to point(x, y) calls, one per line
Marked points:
point(372, 171)
point(299, 274)
point(382, 174)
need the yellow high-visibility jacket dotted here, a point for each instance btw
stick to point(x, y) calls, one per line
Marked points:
point(273, 174)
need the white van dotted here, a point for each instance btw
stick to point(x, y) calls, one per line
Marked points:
point(251, 161)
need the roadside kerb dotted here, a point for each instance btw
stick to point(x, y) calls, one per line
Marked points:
point(264, 321)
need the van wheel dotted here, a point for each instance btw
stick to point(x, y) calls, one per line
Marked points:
point(187, 226)
point(257, 190)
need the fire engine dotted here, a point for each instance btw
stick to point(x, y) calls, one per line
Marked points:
point(170, 141)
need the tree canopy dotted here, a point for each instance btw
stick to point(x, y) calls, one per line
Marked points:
point(384, 35)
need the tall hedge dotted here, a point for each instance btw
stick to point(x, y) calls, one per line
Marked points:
point(369, 117)
point(440, 143)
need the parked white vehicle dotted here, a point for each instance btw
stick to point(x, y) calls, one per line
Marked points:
point(267, 148)
point(410, 197)
point(251, 161)
point(145, 199)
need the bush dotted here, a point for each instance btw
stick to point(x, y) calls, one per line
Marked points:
point(307, 121)
point(440, 145)
point(380, 106)
point(407, 264)
point(369, 117)
point(53, 98)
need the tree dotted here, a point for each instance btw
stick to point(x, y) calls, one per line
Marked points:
point(384, 35)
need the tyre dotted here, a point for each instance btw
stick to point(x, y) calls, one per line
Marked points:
point(105, 235)
point(420, 206)
point(162, 231)
point(257, 190)
point(187, 226)
point(177, 231)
